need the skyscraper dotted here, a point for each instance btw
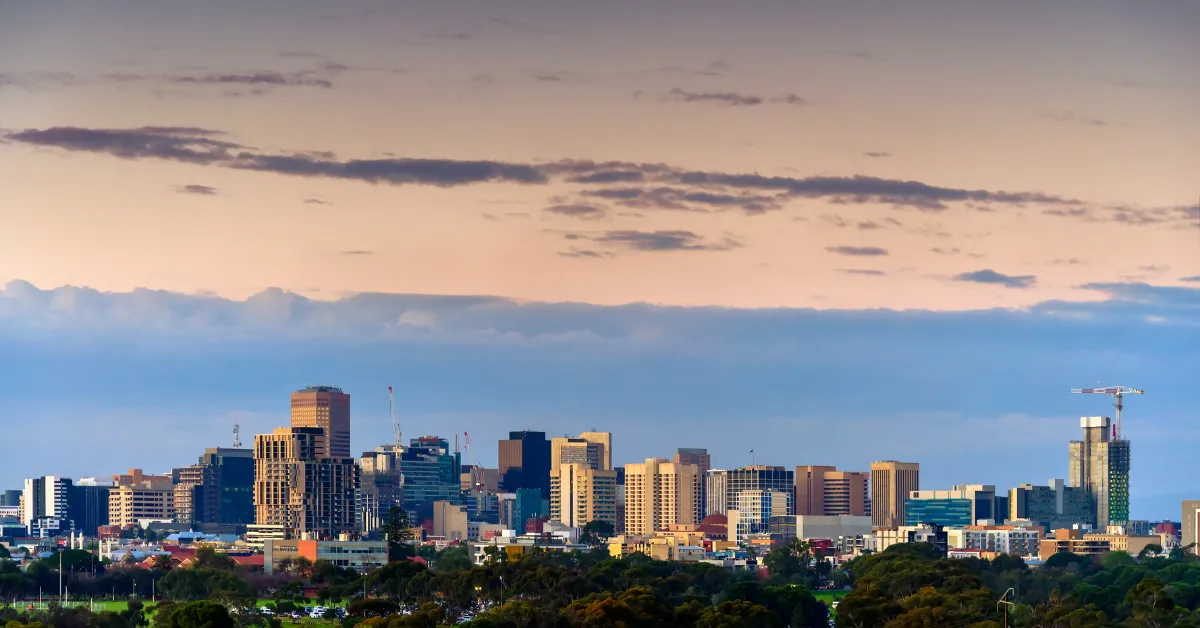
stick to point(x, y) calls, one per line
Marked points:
point(296, 486)
point(891, 483)
point(525, 462)
point(723, 486)
point(703, 462)
point(218, 489)
point(381, 486)
point(825, 491)
point(431, 473)
point(328, 408)
point(604, 439)
point(45, 504)
point(1100, 466)
point(660, 493)
point(580, 494)
point(566, 450)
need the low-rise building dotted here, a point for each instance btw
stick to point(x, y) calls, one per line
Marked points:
point(807, 527)
point(1075, 541)
point(928, 533)
point(1015, 540)
point(361, 556)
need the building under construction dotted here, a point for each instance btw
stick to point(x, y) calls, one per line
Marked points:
point(1100, 466)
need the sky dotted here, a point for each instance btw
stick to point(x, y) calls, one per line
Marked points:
point(830, 232)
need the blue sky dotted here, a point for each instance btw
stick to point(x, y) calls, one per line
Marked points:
point(828, 231)
point(148, 379)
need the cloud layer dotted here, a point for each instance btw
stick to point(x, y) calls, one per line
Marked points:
point(661, 186)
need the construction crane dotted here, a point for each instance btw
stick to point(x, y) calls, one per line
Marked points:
point(1118, 393)
point(395, 421)
point(476, 475)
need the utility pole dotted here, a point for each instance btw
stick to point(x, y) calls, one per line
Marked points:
point(1005, 604)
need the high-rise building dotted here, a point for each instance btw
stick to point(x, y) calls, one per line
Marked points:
point(1053, 506)
point(825, 491)
point(300, 488)
point(580, 494)
point(754, 511)
point(891, 484)
point(44, 504)
point(136, 497)
point(962, 505)
point(431, 473)
point(380, 486)
point(10, 497)
point(218, 489)
point(1190, 526)
point(1100, 466)
point(565, 450)
point(724, 485)
point(660, 493)
point(525, 462)
point(449, 521)
point(328, 408)
point(703, 461)
point(604, 439)
point(516, 509)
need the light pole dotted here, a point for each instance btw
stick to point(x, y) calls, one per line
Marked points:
point(1006, 604)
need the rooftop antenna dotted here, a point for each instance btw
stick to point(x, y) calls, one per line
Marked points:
point(237, 442)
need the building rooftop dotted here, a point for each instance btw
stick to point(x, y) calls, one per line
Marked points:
point(321, 389)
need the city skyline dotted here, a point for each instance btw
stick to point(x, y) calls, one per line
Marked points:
point(828, 232)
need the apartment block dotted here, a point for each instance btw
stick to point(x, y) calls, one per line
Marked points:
point(580, 494)
point(660, 493)
point(1015, 540)
point(825, 491)
point(136, 496)
point(298, 487)
point(576, 451)
point(891, 484)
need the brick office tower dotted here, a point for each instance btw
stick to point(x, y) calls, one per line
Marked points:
point(328, 408)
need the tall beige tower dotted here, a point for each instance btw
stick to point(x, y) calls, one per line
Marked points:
point(825, 491)
point(891, 482)
point(660, 493)
point(296, 486)
point(328, 408)
point(604, 439)
point(580, 495)
point(566, 450)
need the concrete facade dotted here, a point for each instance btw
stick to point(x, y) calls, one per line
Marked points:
point(660, 493)
point(891, 484)
point(1100, 466)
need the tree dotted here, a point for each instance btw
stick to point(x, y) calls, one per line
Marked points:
point(202, 614)
point(453, 558)
point(398, 531)
point(209, 558)
point(596, 533)
point(163, 562)
point(151, 536)
point(4, 554)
